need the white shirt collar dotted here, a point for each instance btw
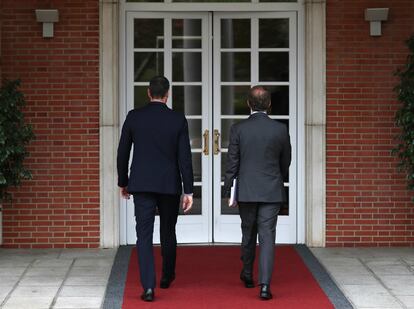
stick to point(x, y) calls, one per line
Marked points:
point(159, 101)
point(255, 112)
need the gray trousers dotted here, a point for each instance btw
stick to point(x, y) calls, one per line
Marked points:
point(258, 218)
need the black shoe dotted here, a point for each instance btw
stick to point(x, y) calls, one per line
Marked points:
point(247, 280)
point(166, 281)
point(265, 293)
point(148, 295)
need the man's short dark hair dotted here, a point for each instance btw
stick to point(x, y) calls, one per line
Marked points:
point(259, 98)
point(159, 86)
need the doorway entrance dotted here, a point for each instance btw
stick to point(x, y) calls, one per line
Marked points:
point(212, 59)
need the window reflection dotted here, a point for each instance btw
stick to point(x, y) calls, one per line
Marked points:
point(235, 33)
point(186, 33)
point(235, 66)
point(148, 33)
point(186, 67)
point(187, 99)
point(147, 65)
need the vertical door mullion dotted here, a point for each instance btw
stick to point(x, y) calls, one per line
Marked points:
point(129, 215)
point(207, 111)
point(216, 122)
point(293, 124)
point(168, 54)
point(254, 55)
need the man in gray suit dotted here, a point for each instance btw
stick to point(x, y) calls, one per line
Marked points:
point(259, 156)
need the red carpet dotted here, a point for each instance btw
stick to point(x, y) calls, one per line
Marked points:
point(208, 277)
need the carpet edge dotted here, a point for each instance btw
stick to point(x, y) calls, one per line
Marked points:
point(328, 285)
point(114, 293)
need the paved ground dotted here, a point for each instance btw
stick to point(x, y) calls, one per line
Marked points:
point(72, 278)
point(69, 278)
point(372, 277)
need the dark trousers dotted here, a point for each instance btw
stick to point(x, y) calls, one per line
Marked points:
point(145, 207)
point(258, 218)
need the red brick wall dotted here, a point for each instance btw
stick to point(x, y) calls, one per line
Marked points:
point(367, 200)
point(60, 78)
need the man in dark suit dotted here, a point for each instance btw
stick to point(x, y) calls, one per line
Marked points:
point(258, 157)
point(161, 162)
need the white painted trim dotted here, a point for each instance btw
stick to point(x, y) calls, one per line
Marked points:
point(300, 189)
point(315, 122)
point(212, 7)
point(307, 217)
point(108, 124)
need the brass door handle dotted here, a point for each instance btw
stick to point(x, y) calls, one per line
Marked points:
point(206, 150)
point(216, 142)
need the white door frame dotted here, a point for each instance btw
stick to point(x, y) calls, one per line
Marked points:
point(227, 227)
point(113, 16)
point(191, 228)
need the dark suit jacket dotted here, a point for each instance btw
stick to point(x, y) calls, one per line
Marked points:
point(162, 155)
point(259, 156)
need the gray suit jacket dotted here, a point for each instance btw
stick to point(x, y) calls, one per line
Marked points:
point(259, 156)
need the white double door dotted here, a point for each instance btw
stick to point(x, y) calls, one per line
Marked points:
point(212, 59)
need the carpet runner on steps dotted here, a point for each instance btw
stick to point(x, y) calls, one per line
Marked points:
point(208, 277)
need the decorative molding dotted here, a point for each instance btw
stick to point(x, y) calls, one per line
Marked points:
point(315, 121)
point(109, 124)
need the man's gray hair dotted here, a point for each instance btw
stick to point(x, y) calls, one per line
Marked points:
point(259, 98)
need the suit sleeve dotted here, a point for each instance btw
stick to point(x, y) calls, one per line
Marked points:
point(124, 149)
point(285, 156)
point(233, 159)
point(185, 162)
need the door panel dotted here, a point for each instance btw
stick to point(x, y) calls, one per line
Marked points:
point(254, 48)
point(175, 45)
point(212, 59)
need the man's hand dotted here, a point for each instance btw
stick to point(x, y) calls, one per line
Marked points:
point(232, 205)
point(187, 202)
point(124, 193)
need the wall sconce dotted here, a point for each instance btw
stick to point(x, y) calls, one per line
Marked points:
point(375, 16)
point(47, 17)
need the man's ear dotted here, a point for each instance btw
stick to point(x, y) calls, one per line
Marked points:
point(149, 94)
point(248, 104)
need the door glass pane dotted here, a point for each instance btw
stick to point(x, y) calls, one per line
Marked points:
point(235, 33)
point(273, 66)
point(194, 130)
point(197, 209)
point(235, 67)
point(280, 99)
point(234, 100)
point(187, 99)
point(186, 67)
point(224, 156)
point(148, 65)
point(186, 33)
point(273, 33)
point(140, 96)
point(225, 130)
point(196, 156)
point(148, 33)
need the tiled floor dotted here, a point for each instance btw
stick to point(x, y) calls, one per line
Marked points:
point(66, 278)
point(372, 277)
point(29, 279)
